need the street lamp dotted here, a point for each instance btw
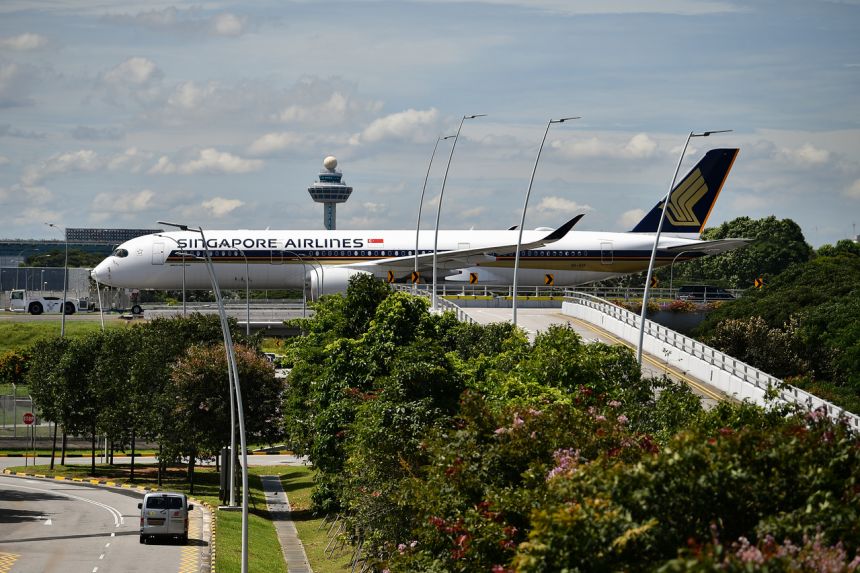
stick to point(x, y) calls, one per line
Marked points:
point(231, 364)
point(183, 269)
point(525, 206)
point(421, 201)
point(672, 267)
point(439, 206)
point(247, 295)
point(657, 238)
point(65, 279)
point(304, 273)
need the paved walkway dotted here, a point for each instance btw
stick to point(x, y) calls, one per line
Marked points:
point(280, 512)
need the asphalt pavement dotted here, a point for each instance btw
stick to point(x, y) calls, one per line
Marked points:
point(59, 526)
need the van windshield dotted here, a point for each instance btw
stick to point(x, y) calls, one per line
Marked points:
point(164, 502)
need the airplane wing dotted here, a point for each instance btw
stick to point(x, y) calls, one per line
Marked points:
point(714, 247)
point(458, 258)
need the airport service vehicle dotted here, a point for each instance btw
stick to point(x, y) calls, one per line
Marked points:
point(323, 261)
point(165, 515)
point(24, 301)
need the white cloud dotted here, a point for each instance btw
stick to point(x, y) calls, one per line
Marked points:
point(332, 109)
point(209, 160)
point(322, 102)
point(630, 218)
point(409, 124)
point(219, 206)
point(807, 155)
point(122, 203)
point(640, 145)
point(132, 158)
point(272, 142)
point(23, 42)
point(471, 213)
point(189, 96)
point(27, 194)
point(3, 160)
point(85, 161)
point(683, 7)
point(134, 71)
point(608, 146)
point(227, 24)
point(373, 207)
point(560, 205)
point(81, 160)
point(854, 190)
point(193, 20)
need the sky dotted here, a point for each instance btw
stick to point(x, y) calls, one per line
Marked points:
point(219, 114)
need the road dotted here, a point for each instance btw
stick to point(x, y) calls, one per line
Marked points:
point(58, 526)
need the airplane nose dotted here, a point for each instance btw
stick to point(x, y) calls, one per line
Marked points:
point(101, 273)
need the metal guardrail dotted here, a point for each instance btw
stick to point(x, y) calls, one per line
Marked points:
point(623, 293)
point(741, 370)
point(442, 302)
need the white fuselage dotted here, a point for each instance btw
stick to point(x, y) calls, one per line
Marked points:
point(292, 259)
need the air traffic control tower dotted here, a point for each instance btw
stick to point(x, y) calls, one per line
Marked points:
point(330, 191)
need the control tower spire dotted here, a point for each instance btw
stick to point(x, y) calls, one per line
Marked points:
point(330, 191)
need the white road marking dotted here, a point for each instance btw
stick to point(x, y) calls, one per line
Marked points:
point(115, 513)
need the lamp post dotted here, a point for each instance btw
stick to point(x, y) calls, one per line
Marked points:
point(183, 269)
point(65, 280)
point(304, 273)
point(523, 219)
point(439, 206)
point(657, 238)
point(247, 295)
point(231, 364)
point(672, 267)
point(421, 201)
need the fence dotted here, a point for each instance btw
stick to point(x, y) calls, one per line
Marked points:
point(12, 409)
point(731, 376)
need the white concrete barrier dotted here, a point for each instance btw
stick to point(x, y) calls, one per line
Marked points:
point(729, 375)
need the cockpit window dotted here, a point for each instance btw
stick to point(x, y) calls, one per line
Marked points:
point(120, 253)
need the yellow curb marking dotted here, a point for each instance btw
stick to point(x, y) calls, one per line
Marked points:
point(7, 560)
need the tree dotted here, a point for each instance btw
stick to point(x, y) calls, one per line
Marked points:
point(199, 402)
point(57, 258)
point(821, 298)
point(778, 244)
point(162, 342)
point(13, 367)
point(46, 388)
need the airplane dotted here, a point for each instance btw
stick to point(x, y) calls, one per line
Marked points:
point(322, 262)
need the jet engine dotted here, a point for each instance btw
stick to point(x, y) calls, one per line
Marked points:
point(320, 281)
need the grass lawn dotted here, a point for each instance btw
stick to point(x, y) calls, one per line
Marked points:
point(15, 335)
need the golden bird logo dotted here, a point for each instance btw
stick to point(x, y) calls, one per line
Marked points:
point(684, 198)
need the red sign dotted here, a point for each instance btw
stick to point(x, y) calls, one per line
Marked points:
point(29, 418)
point(375, 240)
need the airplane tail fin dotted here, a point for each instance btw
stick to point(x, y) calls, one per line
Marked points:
point(692, 200)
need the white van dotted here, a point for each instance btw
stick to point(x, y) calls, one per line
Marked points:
point(164, 514)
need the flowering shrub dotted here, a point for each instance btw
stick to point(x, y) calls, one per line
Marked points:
point(812, 555)
point(795, 481)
